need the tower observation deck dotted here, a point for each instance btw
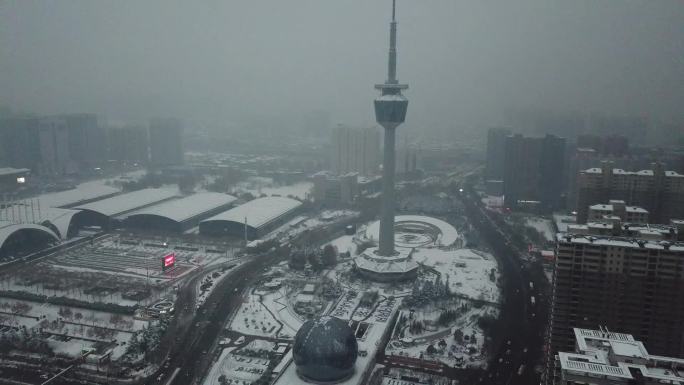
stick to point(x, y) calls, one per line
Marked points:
point(390, 112)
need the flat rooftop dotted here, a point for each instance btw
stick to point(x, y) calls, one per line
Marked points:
point(617, 355)
point(619, 241)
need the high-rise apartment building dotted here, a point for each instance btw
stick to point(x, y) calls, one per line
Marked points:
point(659, 191)
point(533, 170)
point(355, 150)
point(496, 147)
point(87, 140)
point(166, 142)
point(127, 144)
point(38, 143)
point(603, 357)
point(631, 279)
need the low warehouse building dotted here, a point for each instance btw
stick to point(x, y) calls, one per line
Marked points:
point(252, 219)
point(179, 215)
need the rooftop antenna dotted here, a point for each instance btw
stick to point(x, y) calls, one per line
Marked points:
point(245, 231)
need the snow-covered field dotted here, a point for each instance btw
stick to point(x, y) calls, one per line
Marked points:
point(79, 325)
point(467, 270)
point(345, 244)
point(271, 316)
point(253, 319)
point(301, 223)
point(467, 352)
point(261, 185)
point(236, 368)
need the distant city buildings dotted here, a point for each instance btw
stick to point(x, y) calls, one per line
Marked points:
point(533, 171)
point(37, 143)
point(496, 153)
point(603, 357)
point(608, 145)
point(658, 191)
point(128, 144)
point(76, 143)
point(166, 142)
point(87, 140)
point(623, 276)
point(355, 150)
point(12, 178)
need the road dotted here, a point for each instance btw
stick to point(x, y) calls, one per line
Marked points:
point(518, 335)
point(192, 354)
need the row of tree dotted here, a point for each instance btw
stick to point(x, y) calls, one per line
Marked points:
point(427, 291)
point(146, 340)
point(317, 260)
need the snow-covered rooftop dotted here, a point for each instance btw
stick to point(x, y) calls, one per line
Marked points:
point(11, 171)
point(619, 171)
point(182, 209)
point(258, 212)
point(605, 353)
point(124, 203)
point(84, 192)
point(620, 242)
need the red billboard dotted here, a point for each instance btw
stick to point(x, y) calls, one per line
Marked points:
point(168, 261)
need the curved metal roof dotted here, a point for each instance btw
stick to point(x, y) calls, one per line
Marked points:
point(182, 209)
point(258, 212)
point(121, 204)
point(8, 228)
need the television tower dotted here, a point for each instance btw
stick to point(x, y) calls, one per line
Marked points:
point(390, 112)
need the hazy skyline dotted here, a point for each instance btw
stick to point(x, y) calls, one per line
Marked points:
point(220, 61)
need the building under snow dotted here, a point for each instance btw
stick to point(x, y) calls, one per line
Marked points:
point(252, 219)
point(604, 357)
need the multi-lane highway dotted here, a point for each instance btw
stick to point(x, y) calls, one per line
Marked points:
point(519, 332)
point(192, 354)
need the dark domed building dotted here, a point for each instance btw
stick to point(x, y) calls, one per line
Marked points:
point(325, 350)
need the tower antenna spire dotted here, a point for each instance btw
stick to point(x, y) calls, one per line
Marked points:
point(392, 64)
point(390, 112)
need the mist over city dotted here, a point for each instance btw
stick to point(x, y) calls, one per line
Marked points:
point(383, 192)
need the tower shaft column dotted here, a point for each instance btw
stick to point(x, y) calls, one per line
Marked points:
point(386, 244)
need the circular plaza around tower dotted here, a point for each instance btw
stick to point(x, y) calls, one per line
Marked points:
point(412, 231)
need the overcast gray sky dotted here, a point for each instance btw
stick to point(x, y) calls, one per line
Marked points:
point(465, 60)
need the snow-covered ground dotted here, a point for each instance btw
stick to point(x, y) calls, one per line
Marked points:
point(344, 244)
point(238, 369)
point(446, 234)
point(266, 315)
point(467, 352)
point(301, 223)
point(543, 226)
point(77, 323)
point(262, 185)
point(467, 270)
point(276, 302)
